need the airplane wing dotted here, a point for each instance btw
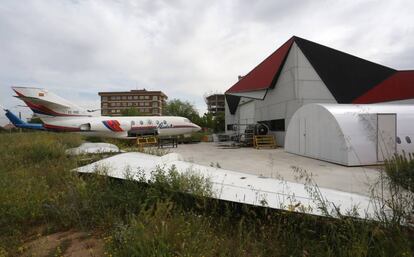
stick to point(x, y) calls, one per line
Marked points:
point(239, 187)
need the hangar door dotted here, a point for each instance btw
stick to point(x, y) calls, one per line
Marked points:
point(386, 134)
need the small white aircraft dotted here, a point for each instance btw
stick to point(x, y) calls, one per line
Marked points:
point(60, 115)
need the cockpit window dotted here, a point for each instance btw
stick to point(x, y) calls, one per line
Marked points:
point(408, 139)
point(186, 120)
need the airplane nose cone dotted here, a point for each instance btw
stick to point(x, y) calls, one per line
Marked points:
point(196, 128)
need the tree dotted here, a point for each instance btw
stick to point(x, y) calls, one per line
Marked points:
point(185, 109)
point(35, 119)
point(219, 122)
point(131, 112)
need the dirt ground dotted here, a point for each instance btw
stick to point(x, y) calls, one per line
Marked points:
point(70, 243)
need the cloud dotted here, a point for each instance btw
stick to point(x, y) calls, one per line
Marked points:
point(184, 48)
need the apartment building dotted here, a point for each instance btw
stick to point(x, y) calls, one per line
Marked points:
point(150, 103)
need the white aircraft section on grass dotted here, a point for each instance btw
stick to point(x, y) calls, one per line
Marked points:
point(86, 148)
point(238, 187)
point(60, 115)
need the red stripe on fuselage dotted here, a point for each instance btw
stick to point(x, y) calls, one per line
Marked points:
point(60, 128)
point(184, 126)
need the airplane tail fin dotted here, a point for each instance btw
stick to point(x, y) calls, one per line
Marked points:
point(46, 104)
point(19, 123)
point(16, 121)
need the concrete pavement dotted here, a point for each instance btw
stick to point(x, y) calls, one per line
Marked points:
point(276, 163)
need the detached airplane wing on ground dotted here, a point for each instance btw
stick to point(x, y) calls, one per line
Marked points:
point(241, 187)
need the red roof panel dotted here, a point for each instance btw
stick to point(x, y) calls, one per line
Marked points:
point(399, 86)
point(261, 77)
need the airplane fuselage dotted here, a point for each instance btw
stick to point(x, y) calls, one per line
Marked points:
point(60, 115)
point(122, 127)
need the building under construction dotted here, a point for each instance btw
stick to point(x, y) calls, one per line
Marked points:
point(215, 103)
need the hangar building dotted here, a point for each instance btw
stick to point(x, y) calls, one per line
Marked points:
point(351, 134)
point(301, 72)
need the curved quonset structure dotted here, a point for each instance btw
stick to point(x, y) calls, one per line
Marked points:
point(301, 72)
point(351, 134)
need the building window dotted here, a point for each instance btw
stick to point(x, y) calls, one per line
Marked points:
point(129, 104)
point(230, 127)
point(135, 97)
point(154, 104)
point(155, 98)
point(129, 97)
point(141, 104)
point(147, 104)
point(147, 97)
point(275, 125)
point(113, 111)
point(154, 111)
point(124, 98)
point(104, 98)
point(141, 97)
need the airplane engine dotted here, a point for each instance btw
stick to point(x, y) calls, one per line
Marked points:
point(105, 125)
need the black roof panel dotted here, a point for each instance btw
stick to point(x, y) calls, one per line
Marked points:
point(346, 76)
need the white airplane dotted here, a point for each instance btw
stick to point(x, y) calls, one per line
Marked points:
point(60, 115)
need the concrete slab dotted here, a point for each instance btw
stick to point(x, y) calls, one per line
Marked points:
point(276, 163)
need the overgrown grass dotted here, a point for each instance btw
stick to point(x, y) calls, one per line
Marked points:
point(400, 169)
point(38, 188)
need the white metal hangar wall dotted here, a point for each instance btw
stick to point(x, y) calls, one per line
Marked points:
point(349, 134)
point(298, 84)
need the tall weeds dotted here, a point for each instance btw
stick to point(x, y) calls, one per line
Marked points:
point(160, 217)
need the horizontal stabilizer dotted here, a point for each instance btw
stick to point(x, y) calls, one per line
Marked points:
point(43, 101)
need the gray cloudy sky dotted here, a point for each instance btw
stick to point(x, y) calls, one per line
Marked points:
point(184, 48)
